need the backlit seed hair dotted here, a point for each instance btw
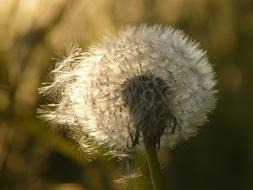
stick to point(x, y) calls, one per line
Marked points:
point(147, 82)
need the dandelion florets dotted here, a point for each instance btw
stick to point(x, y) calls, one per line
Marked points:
point(147, 82)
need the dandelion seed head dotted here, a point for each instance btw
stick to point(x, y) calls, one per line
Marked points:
point(146, 82)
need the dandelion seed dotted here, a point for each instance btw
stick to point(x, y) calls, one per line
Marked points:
point(144, 83)
point(129, 177)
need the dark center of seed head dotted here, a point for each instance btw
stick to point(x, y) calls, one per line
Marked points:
point(147, 99)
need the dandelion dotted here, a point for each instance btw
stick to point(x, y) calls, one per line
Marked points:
point(147, 86)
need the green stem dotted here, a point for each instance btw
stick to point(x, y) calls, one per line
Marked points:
point(154, 166)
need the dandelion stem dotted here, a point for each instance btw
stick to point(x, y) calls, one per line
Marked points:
point(154, 166)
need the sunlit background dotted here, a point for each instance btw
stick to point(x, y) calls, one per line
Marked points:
point(35, 157)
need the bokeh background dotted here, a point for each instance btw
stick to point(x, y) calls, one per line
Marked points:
point(34, 156)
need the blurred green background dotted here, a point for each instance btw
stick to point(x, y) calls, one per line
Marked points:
point(35, 157)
